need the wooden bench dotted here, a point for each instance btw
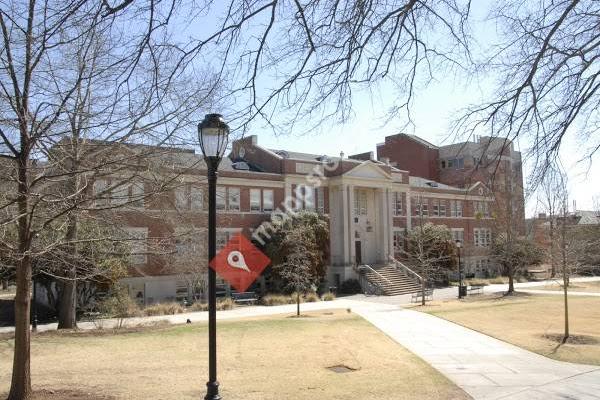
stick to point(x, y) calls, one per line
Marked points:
point(474, 289)
point(417, 297)
point(244, 298)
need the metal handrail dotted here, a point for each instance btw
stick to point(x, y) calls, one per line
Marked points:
point(405, 269)
point(367, 266)
point(368, 286)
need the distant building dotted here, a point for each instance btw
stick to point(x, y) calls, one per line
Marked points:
point(370, 204)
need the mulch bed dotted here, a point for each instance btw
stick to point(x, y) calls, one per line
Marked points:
point(573, 339)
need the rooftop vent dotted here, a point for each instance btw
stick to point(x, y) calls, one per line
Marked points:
point(282, 153)
point(432, 184)
point(241, 165)
point(324, 158)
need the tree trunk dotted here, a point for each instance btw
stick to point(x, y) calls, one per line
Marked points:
point(67, 313)
point(511, 281)
point(4, 284)
point(297, 304)
point(67, 317)
point(552, 255)
point(423, 292)
point(566, 298)
point(20, 388)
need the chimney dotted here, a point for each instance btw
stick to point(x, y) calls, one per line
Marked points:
point(341, 155)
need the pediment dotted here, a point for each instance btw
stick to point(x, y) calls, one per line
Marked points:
point(368, 170)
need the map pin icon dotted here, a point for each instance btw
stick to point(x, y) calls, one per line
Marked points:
point(235, 259)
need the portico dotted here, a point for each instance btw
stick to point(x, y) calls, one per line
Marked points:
point(360, 218)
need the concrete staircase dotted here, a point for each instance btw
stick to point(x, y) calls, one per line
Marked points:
point(391, 280)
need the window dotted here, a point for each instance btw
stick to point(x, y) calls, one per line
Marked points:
point(120, 193)
point(137, 238)
point(421, 206)
point(436, 208)
point(255, 200)
point(221, 197)
point(320, 200)
point(360, 202)
point(398, 239)
point(181, 200)
point(397, 203)
point(196, 198)
point(443, 164)
point(189, 243)
point(137, 194)
point(309, 198)
point(458, 234)
point(267, 200)
point(425, 208)
point(224, 236)
point(233, 199)
point(456, 208)
point(101, 198)
point(482, 237)
point(443, 208)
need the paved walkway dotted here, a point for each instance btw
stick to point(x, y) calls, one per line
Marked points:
point(484, 367)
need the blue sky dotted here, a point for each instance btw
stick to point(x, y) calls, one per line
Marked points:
point(432, 111)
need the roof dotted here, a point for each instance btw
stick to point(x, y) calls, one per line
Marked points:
point(310, 157)
point(416, 181)
point(588, 217)
point(422, 141)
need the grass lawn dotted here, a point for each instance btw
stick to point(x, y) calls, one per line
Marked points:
point(533, 322)
point(590, 287)
point(278, 357)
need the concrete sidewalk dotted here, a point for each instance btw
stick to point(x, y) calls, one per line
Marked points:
point(484, 367)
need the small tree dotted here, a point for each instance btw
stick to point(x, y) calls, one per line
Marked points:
point(306, 229)
point(514, 255)
point(296, 273)
point(430, 251)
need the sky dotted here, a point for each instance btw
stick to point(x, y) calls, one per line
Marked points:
point(434, 108)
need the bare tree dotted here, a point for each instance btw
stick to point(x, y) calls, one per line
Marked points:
point(430, 251)
point(551, 197)
point(71, 81)
point(547, 70)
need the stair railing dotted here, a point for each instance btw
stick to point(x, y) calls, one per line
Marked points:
point(370, 287)
point(409, 273)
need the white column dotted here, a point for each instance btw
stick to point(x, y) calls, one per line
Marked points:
point(408, 211)
point(350, 224)
point(345, 251)
point(390, 223)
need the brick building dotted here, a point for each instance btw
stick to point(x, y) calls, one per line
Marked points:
point(370, 204)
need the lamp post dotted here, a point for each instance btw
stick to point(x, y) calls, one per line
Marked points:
point(213, 134)
point(460, 280)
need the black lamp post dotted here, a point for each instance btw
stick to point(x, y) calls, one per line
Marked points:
point(460, 280)
point(213, 134)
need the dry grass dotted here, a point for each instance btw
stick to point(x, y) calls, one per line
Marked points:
point(530, 321)
point(590, 287)
point(268, 358)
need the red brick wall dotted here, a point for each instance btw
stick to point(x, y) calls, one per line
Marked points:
point(410, 155)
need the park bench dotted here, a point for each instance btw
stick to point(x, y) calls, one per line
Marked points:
point(417, 296)
point(475, 289)
point(244, 298)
